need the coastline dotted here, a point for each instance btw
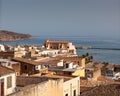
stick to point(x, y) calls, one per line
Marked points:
point(13, 36)
point(99, 50)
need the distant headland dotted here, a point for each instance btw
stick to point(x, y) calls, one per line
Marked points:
point(13, 36)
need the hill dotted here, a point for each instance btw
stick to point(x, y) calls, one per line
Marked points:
point(13, 36)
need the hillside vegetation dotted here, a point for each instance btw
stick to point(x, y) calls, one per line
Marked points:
point(13, 36)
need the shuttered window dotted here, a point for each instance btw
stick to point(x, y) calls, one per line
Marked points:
point(9, 82)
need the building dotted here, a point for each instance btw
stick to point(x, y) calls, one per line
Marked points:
point(61, 45)
point(7, 55)
point(72, 87)
point(30, 67)
point(11, 64)
point(110, 70)
point(72, 66)
point(11, 54)
point(116, 68)
point(2, 48)
point(51, 53)
point(7, 81)
point(106, 69)
point(78, 66)
point(49, 85)
point(93, 71)
point(71, 84)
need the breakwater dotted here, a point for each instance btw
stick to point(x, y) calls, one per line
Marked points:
point(90, 47)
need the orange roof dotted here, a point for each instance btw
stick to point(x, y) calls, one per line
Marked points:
point(69, 58)
point(52, 61)
point(90, 65)
point(110, 66)
point(60, 77)
point(99, 65)
point(26, 61)
point(4, 70)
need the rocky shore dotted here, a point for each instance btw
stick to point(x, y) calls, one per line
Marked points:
point(13, 36)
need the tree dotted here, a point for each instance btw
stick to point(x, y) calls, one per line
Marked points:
point(88, 57)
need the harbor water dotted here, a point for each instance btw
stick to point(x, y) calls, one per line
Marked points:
point(99, 55)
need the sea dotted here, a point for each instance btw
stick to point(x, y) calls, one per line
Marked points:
point(99, 55)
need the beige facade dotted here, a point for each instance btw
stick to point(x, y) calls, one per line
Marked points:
point(7, 81)
point(2, 48)
point(33, 53)
point(18, 54)
point(72, 87)
point(61, 45)
point(11, 64)
point(96, 74)
point(70, 66)
point(54, 86)
point(79, 70)
point(9, 90)
point(11, 54)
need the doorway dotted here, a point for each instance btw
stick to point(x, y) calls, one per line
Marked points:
point(2, 87)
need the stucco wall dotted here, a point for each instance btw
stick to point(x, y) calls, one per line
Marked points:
point(2, 48)
point(9, 90)
point(53, 87)
point(79, 72)
point(71, 85)
point(96, 74)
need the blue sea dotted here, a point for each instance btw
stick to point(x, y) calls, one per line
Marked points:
point(99, 55)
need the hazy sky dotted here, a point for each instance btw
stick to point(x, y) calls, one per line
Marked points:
point(61, 17)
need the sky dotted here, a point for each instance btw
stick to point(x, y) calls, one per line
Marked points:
point(61, 17)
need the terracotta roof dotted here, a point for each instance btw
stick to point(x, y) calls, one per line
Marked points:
point(76, 58)
point(90, 65)
point(56, 69)
point(28, 80)
point(99, 65)
point(117, 66)
point(103, 90)
point(52, 61)
point(26, 61)
point(5, 70)
point(60, 77)
point(104, 79)
point(110, 66)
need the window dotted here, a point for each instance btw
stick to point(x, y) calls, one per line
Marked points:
point(69, 73)
point(67, 65)
point(66, 94)
point(74, 93)
point(25, 67)
point(9, 81)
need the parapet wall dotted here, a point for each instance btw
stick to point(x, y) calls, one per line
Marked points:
point(52, 87)
point(33, 90)
point(27, 80)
